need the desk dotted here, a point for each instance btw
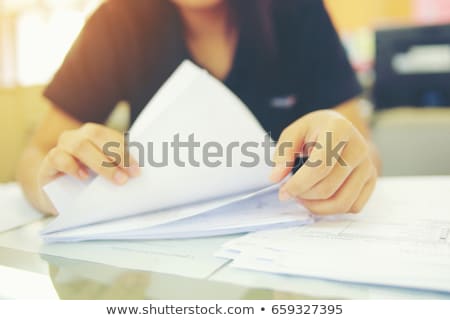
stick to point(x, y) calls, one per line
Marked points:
point(29, 269)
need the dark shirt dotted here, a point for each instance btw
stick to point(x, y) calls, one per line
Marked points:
point(128, 48)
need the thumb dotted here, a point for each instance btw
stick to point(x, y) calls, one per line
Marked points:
point(288, 148)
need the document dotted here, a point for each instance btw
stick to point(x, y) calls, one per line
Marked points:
point(15, 210)
point(191, 105)
point(300, 287)
point(401, 239)
point(251, 213)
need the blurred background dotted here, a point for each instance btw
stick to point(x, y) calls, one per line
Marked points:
point(399, 48)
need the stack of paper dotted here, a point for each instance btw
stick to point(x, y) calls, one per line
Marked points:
point(15, 210)
point(402, 239)
point(166, 201)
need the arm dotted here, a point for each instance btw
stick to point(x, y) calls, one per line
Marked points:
point(62, 145)
point(343, 165)
point(85, 89)
point(44, 139)
point(352, 111)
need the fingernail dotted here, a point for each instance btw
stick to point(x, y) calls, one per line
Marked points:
point(53, 211)
point(83, 174)
point(134, 170)
point(284, 196)
point(120, 178)
point(277, 173)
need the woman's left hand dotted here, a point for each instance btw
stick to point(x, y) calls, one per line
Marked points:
point(340, 174)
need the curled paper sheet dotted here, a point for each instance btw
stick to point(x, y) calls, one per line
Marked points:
point(191, 103)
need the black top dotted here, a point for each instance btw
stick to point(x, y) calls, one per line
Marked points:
point(128, 49)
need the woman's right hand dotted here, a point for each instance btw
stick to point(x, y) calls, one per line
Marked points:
point(82, 149)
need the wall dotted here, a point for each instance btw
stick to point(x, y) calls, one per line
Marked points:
point(350, 15)
point(20, 110)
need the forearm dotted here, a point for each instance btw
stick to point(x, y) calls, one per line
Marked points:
point(45, 138)
point(352, 111)
point(27, 176)
point(376, 158)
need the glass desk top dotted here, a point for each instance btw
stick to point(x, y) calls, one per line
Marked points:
point(63, 271)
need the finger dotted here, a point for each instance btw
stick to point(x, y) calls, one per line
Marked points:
point(344, 198)
point(288, 147)
point(47, 206)
point(112, 144)
point(84, 171)
point(50, 208)
point(62, 162)
point(326, 154)
point(87, 153)
point(365, 195)
point(352, 157)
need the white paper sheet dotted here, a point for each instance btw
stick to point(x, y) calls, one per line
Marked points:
point(289, 287)
point(253, 213)
point(402, 239)
point(146, 220)
point(192, 101)
point(14, 208)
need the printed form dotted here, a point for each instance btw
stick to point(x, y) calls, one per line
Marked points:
point(401, 239)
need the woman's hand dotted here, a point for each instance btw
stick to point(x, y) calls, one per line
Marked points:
point(340, 174)
point(82, 149)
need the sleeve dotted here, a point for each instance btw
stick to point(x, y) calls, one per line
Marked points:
point(87, 85)
point(333, 78)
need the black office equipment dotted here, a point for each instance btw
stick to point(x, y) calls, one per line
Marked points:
point(413, 67)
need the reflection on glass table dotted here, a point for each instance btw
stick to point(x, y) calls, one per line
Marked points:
point(189, 273)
